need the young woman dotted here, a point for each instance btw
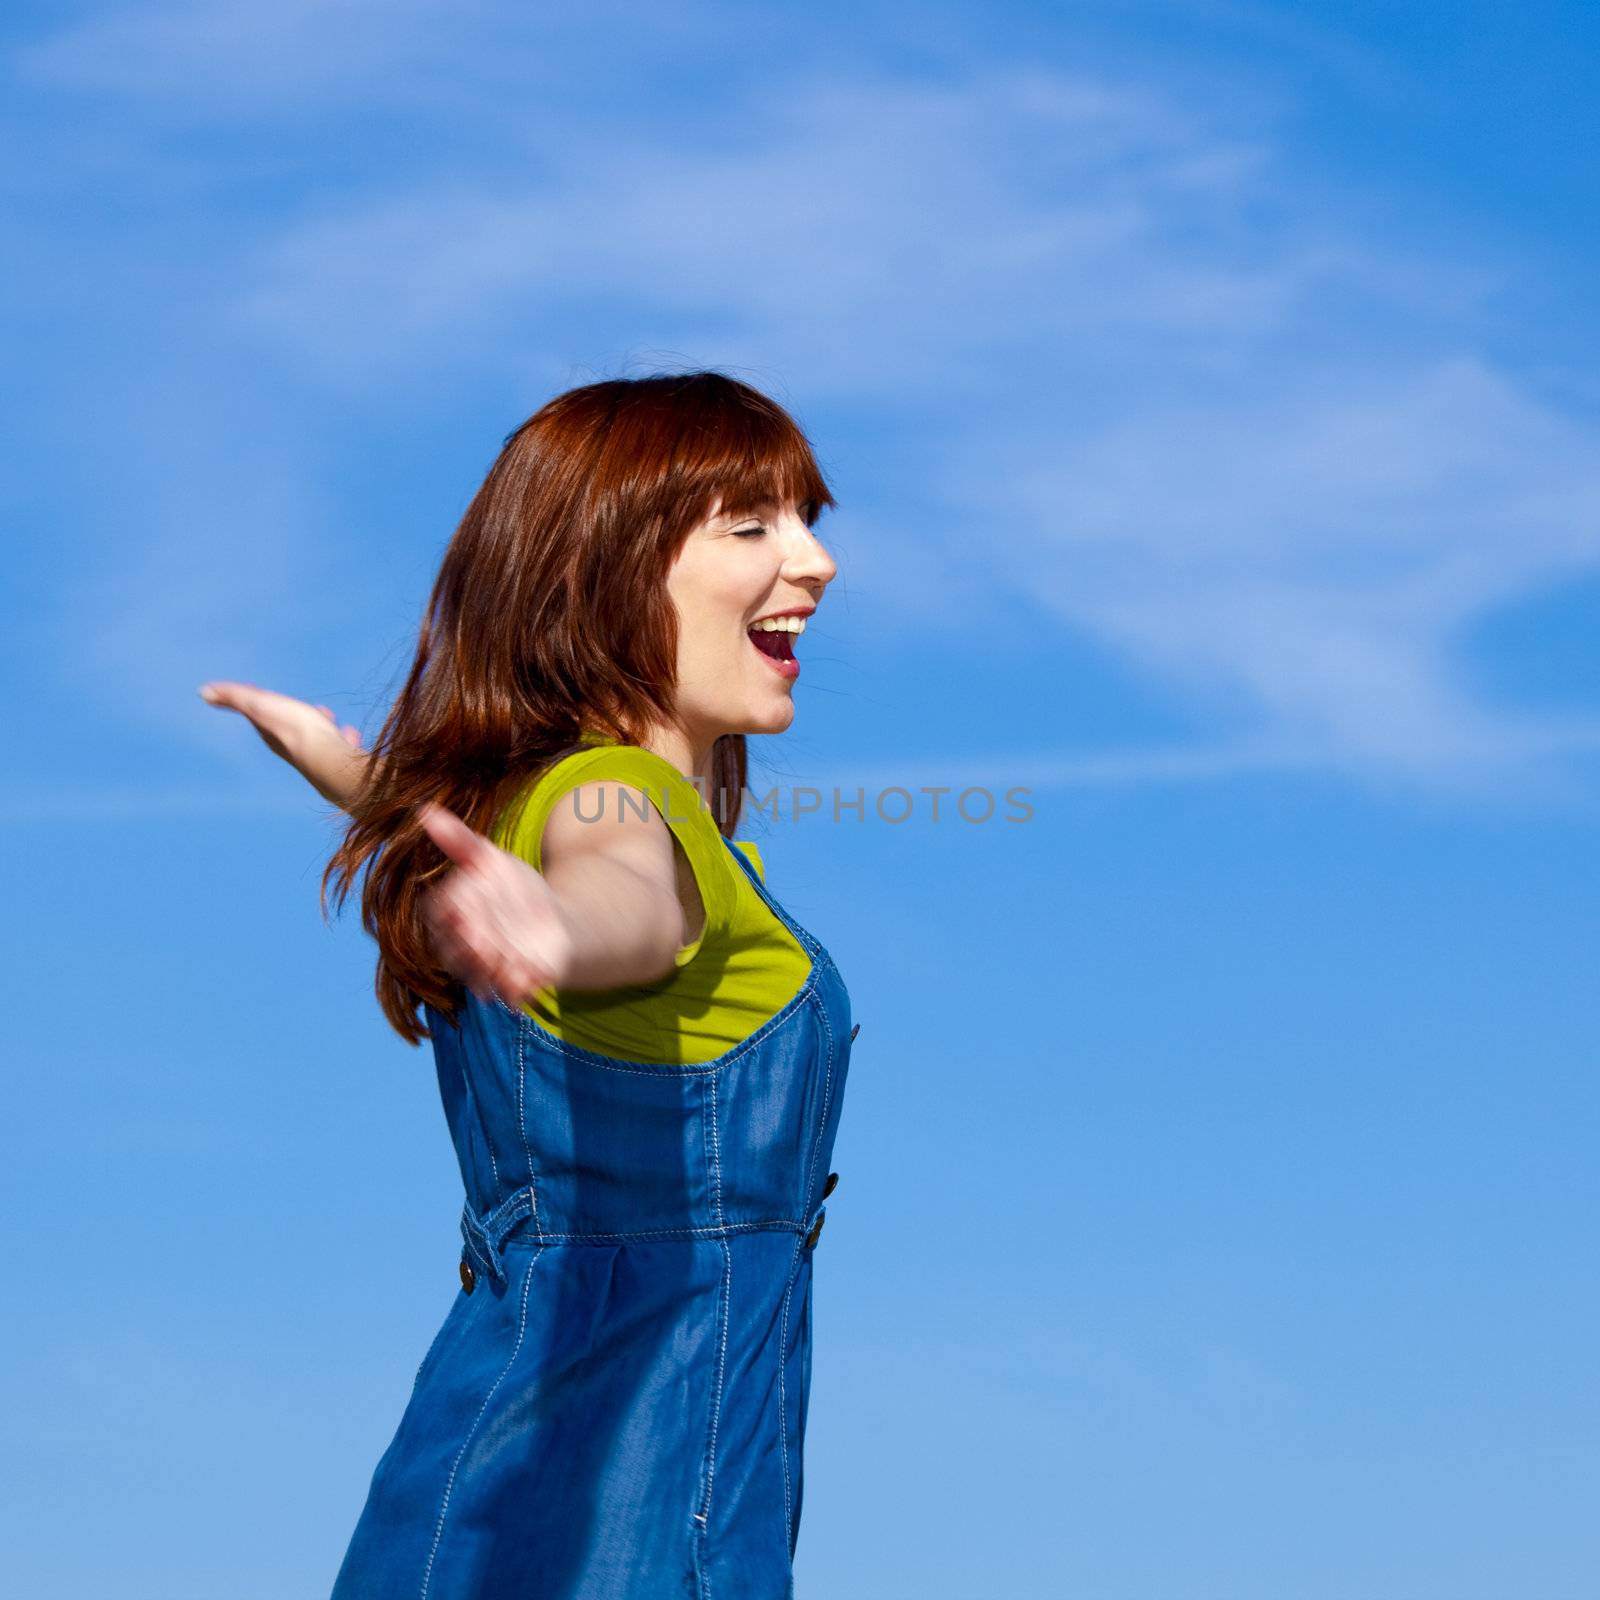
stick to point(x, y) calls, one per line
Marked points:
point(641, 1055)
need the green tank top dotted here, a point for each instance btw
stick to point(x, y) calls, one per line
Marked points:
point(742, 968)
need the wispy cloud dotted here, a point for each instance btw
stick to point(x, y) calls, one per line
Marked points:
point(1317, 562)
point(870, 234)
point(230, 57)
point(1239, 424)
point(1510, 767)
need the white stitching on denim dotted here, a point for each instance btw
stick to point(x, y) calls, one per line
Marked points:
point(716, 1413)
point(714, 1231)
point(727, 1305)
point(783, 1400)
point(437, 1338)
point(483, 1128)
point(493, 1228)
point(701, 1519)
point(455, 1466)
point(477, 1254)
point(522, 1127)
point(716, 1156)
point(827, 1102)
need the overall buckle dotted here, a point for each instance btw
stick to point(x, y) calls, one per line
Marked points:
point(483, 1237)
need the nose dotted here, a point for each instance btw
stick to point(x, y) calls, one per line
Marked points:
point(807, 560)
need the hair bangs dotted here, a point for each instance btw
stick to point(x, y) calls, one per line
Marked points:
point(743, 453)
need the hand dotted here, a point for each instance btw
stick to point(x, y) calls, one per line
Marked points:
point(328, 756)
point(494, 922)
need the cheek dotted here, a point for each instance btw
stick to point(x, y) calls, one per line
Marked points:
point(705, 590)
point(715, 588)
point(708, 638)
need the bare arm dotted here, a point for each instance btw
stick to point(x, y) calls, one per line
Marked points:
point(604, 913)
point(308, 737)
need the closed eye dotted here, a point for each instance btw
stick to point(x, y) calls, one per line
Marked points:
point(743, 533)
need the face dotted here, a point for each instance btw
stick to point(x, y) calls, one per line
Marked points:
point(730, 575)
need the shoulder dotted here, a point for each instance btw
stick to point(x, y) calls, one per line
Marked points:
point(613, 788)
point(599, 774)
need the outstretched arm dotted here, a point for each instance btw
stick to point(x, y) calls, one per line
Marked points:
point(605, 913)
point(329, 757)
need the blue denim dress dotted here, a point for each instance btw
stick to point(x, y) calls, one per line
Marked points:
point(615, 1406)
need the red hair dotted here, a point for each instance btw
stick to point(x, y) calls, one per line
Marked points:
point(550, 615)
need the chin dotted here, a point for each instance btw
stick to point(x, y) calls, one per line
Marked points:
point(773, 719)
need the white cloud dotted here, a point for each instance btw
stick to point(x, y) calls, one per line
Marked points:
point(1235, 424)
point(1314, 562)
point(872, 232)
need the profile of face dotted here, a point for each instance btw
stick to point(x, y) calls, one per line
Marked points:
point(737, 667)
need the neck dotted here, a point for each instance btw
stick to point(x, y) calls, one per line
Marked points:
point(690, 754)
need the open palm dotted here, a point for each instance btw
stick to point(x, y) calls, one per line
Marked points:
point(494, 921)
point(310, 738)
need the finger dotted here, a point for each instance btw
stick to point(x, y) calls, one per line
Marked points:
point(351, 736)
point(460, 960)
point(517, 975)
point(454, 837)
point(518, 982)
point(478, 970)
point(512, 994)
point(494, 961)
point(327, 711)
point(447, 919)
point(448, 951)
point(222, 693)
point(230, 692)
point(248, 699)
point(464, 927)
point(455, 901)
point(477, 979)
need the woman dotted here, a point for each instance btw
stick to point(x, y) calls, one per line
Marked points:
point(641, 1056)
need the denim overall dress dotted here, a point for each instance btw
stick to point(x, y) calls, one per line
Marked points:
point(615, 1406)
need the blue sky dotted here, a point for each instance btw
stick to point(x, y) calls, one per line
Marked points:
point(1210, 392)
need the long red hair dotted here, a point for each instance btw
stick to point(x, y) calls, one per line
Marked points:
point(550, 615)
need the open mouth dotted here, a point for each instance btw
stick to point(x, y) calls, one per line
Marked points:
point(774, 639)
point(779, 646)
